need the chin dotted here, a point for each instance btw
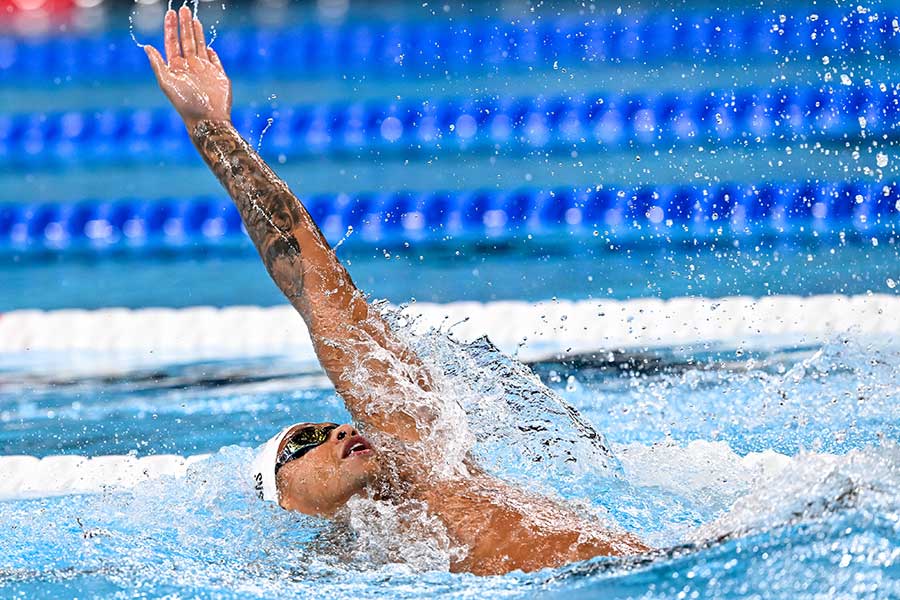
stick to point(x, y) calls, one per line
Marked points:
point(362, 470)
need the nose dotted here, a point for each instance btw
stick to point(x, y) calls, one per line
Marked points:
point(343, 431)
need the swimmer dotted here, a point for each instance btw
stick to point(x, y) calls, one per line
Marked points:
point(316, 468)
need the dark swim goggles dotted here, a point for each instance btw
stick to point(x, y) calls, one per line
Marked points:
point(302, 441)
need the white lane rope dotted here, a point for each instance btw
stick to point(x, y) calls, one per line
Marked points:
point(32, 477)
point(533, 330)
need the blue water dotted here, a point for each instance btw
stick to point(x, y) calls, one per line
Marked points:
point(825, 525)
point(520, 267)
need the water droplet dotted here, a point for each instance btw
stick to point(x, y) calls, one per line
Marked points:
point(262, 133)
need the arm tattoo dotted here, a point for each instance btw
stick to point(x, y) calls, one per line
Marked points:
point(306, 269)
point(272, 215)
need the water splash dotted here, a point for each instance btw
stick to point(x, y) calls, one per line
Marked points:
point(262, 133)
point(195, 4)
point(346, 236)
point(214, 28)
point(506, 418)
point(131, 28)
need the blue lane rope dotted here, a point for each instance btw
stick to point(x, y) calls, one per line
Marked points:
point(413, 48)
point(646, 212)
point(587, 121)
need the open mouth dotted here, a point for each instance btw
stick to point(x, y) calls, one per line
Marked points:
point(356, 446)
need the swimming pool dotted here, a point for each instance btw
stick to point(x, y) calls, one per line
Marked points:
point(682, 218)
point(796, 450)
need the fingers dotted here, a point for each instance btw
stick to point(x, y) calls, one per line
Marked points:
point(170, 35)
point(214, 58)
point(186, 22)
point(200, 39)
point(156, 63)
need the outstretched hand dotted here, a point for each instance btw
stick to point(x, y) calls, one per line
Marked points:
point(193, 79)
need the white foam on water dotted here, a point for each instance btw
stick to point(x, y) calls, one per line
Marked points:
point(31, 477)
point(112, 339)
point(742, 493)
point(761, 490)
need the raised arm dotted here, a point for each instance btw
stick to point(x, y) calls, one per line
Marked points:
point(378, 377)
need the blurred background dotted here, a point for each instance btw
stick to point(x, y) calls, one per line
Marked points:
point(460, 151)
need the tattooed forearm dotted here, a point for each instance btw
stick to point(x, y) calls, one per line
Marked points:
point(303, 265)
point(277, 222)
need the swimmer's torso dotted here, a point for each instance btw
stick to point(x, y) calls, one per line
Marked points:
point(501, 527)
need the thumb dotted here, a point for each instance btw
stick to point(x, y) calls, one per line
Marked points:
point(156, 62)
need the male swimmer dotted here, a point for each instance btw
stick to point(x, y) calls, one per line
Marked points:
point(315, 468)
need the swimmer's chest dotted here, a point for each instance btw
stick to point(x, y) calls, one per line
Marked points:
point(504, 528)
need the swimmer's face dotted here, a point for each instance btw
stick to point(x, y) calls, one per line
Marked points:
point(320, 481)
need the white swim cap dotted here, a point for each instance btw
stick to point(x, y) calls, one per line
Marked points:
point(263, 467)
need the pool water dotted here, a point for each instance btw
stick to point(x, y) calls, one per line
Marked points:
point(517, 267)
point(695, 437)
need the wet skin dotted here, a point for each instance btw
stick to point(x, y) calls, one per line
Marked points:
point(503, 528)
